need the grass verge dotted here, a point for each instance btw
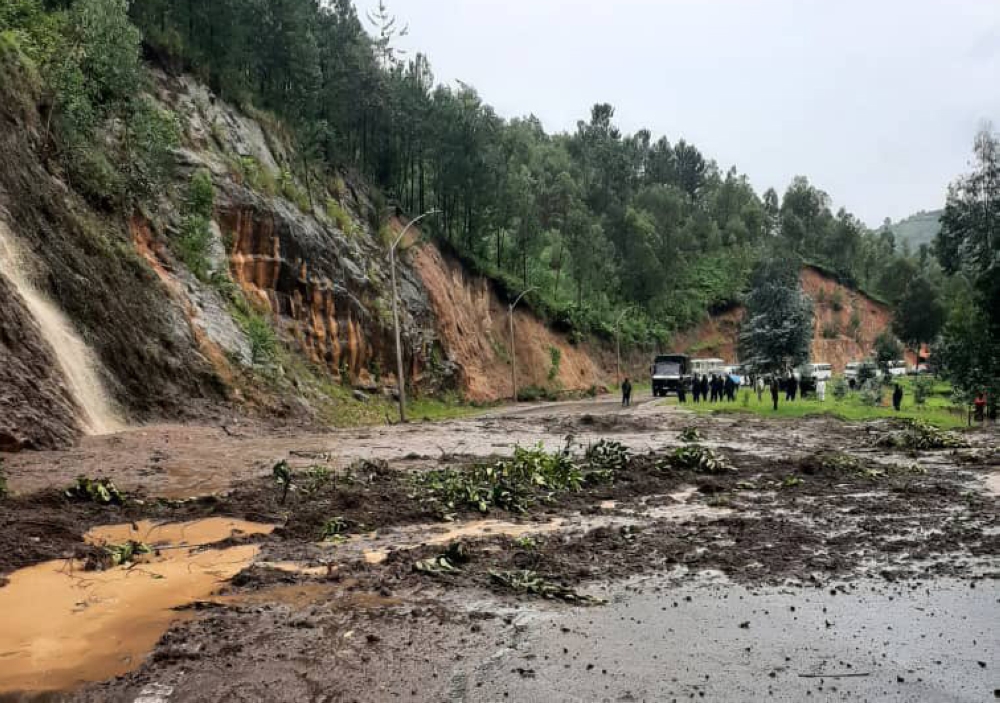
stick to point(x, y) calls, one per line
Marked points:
point(938, 409)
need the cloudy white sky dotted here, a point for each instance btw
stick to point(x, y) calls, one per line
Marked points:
point(876, 101)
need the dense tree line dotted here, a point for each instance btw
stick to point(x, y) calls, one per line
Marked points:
point(596, 219)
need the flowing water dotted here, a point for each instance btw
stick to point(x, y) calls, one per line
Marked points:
point(76, 361)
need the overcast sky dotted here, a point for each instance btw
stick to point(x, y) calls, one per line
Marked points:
point(876, 101)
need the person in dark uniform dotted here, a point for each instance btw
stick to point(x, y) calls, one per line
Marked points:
point(681, 393)
point(626, 393)
point(704, 387)
point(696, 389)
point(897, 397)
point(730, 388)
point(774, 392)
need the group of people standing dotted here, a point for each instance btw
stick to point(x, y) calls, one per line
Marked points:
point(713, 390)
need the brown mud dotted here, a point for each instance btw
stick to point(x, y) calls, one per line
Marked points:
point(351, 617)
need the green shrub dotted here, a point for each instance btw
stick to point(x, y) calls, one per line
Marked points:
point(200, 199)
point(837, 300)
point(854, 324)
point(531, 394)
point(291, 192)
point(94, 176)
point(871, 393)
point(923, 387)
point(193, 245)
point(838, 387)
point(263, 342)
point(336, 213)
point(831, 330)
point(255, 176)
point(555, 359)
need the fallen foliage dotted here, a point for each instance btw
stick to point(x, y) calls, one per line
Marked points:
point(918, 435)
point(96, 490)
point(527, 581)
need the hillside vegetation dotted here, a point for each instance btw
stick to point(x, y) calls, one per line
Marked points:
point(596, 219)
point(918, 229)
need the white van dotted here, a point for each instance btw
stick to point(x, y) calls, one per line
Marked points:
point(706, 367)
point(897, 368)
point(818, 371)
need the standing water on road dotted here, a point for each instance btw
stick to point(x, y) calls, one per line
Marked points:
point(76, 361)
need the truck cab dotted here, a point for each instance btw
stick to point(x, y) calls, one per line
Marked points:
point(670, 373)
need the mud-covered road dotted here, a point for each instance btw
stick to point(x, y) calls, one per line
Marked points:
point(722, 558)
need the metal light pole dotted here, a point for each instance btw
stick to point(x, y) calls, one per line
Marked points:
point(513, 354)
point(400, 379)
point(618, 345)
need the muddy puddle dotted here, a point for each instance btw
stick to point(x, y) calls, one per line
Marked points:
point(430, 535)
point(63, 626)
point(375, 547)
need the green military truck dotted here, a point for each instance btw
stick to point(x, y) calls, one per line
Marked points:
point(670, 373)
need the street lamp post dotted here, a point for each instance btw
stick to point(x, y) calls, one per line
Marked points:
point(513, 354)
point(618, 345)
point(400, 379)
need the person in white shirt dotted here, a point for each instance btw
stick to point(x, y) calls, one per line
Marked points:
point(821, 390)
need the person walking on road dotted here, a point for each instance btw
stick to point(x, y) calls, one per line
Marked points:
point(774, 392)
point(626, 393)
point(897, 397)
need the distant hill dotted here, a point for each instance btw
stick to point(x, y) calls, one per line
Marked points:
point(918, 229)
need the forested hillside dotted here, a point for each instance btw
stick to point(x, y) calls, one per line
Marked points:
point(274, 192)
point(918, 229)
point(598, 220)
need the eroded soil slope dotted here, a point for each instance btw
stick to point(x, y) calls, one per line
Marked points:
point(847, 323)
point(474, 328)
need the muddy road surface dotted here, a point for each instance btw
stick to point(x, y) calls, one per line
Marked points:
point(643, 554)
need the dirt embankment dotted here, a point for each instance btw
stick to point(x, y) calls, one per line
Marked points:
point(473, 325)
point(847, 323)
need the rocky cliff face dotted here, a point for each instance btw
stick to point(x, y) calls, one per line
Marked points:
point(321, 279)
point(84, 263)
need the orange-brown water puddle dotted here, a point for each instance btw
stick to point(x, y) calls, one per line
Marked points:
point(62, 626)
point(421, 535)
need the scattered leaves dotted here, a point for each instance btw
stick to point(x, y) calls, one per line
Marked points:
point(526, 581)
point(96, 490)
point(695, 457)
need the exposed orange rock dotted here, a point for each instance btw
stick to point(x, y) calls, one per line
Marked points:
point(307, 304)
point(716, 337)
point(473, 326)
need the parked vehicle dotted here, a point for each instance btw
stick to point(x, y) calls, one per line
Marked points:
point(817, 370)
point(897, 368)
point(670, 372)
point(703, 367)
point(855, 371)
